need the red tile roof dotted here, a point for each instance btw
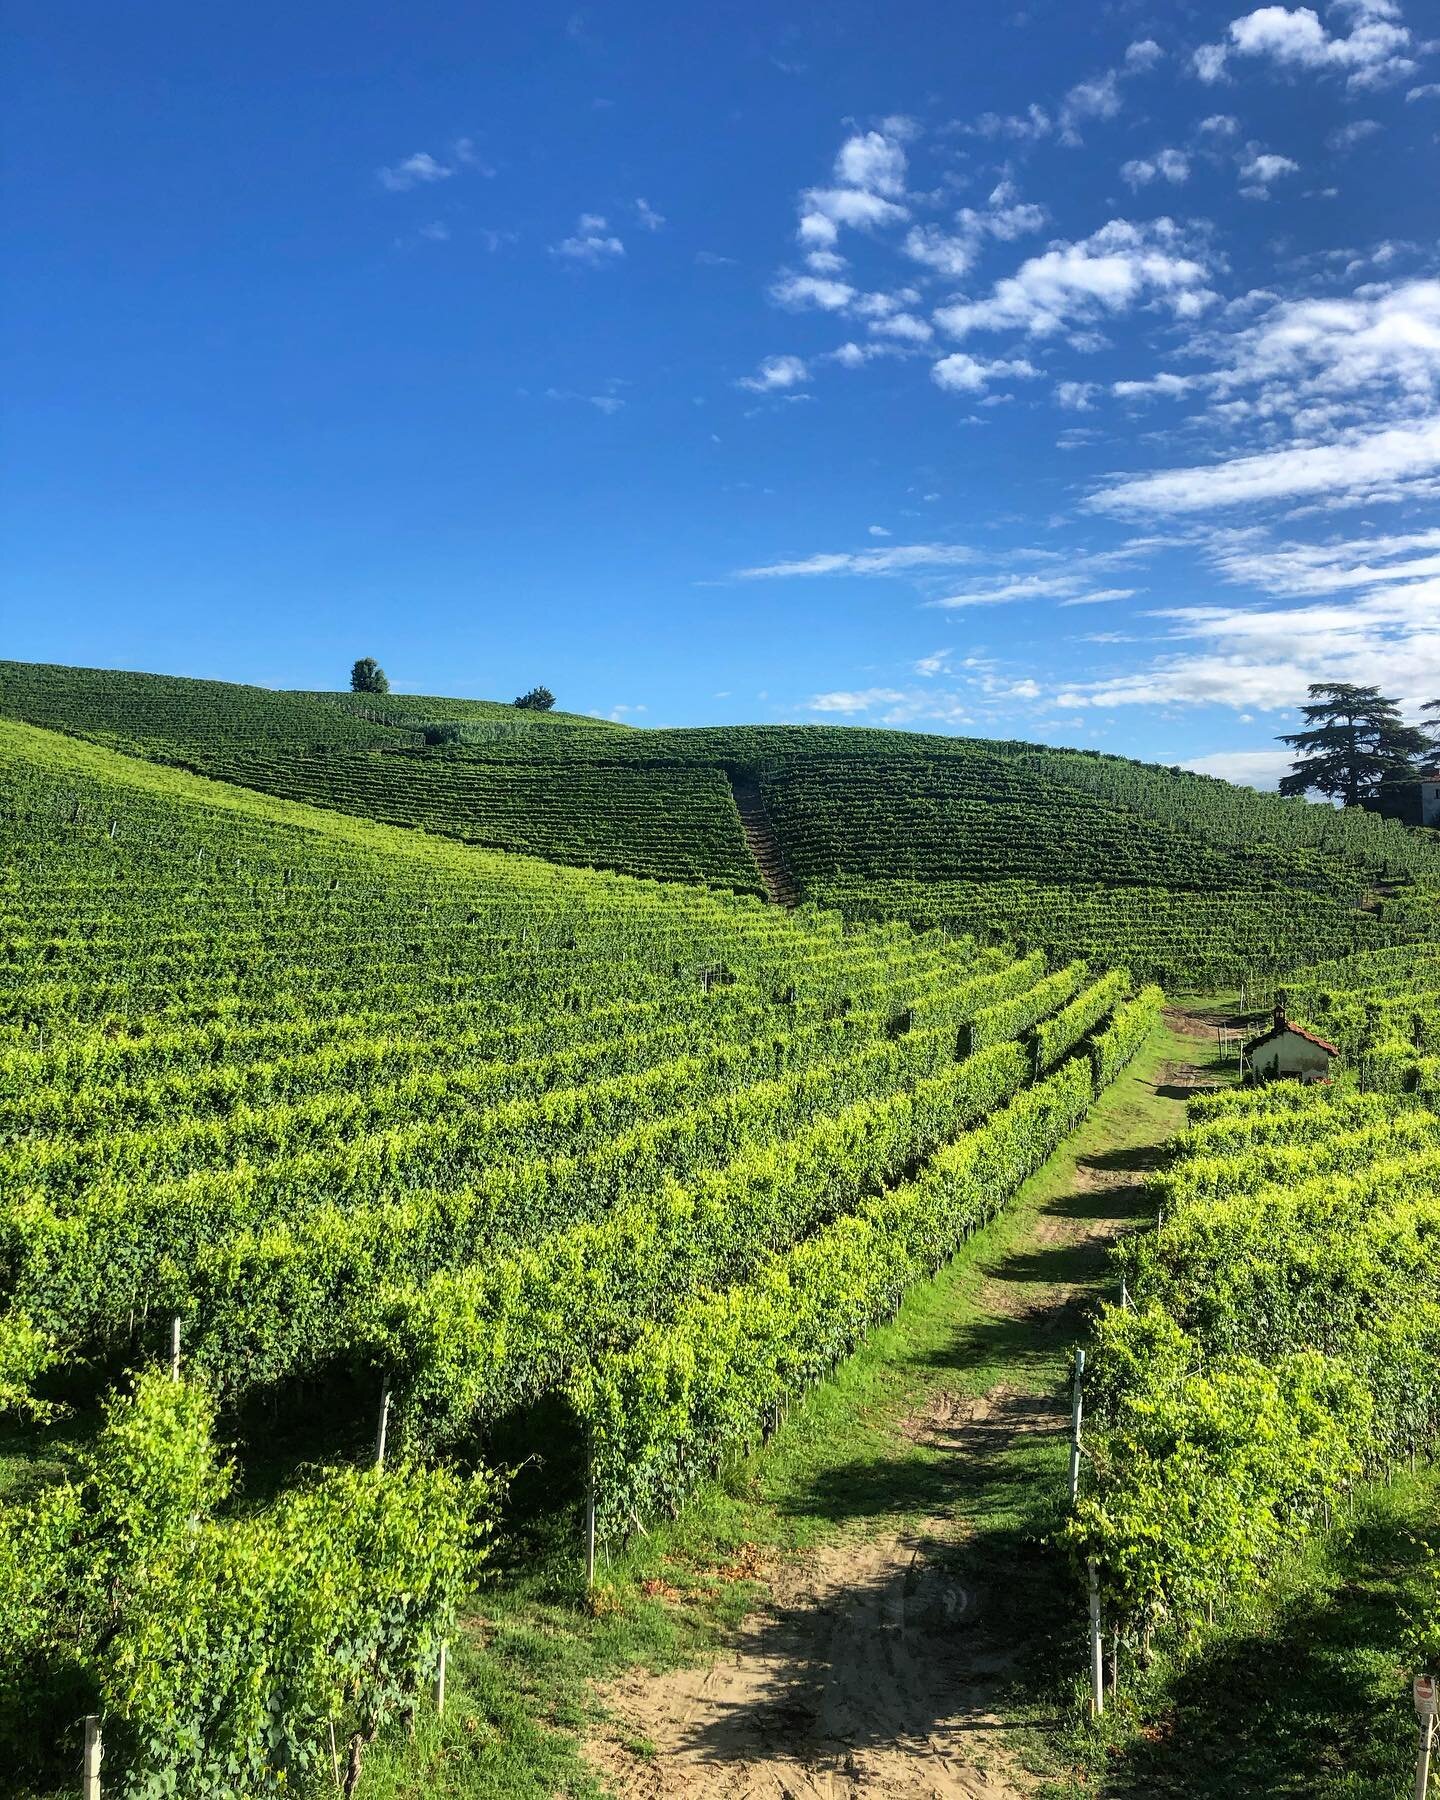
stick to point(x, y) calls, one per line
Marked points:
point(1298, 1031)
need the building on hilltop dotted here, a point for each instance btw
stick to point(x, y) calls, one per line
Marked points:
point(1288, 1052)
point(1412, 799)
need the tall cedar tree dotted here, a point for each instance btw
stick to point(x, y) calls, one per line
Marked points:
point(1356, 739)
point(367, 677)
point(1432, 725)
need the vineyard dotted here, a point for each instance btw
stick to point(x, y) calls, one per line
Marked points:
point(1278, 1338)
point(345, 1165)
point(353, 1122)
point(1183, 879)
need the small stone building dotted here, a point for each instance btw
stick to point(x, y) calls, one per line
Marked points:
point(1289, 1052)
point(1413, 800)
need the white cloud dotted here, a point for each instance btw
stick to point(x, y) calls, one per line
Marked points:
point(1346, 137)
point(1165, 165)
point(1261, 167)
point(1307, 569)
point(1372, 54)
point(1096, 595)
point(887, 561)
point(1373, 465)
point(1075, 396)
point(906, 326)
point(1034, 123)
point(1220, 125)
point(962, 374)
point(952, 252)
point(776, 374)
point(1164, 385)
point(872, 161)
point(1264, 658)
point(863, 700)
point(1012, 587)
point(1098, 98)
point(800, 291)
point(1108, 272)
point(647, 215)
point(413, 172)
point(1143, 55)
point(1429, 90)
point(834, 207)
point(936, 663)
point(1247, 768)
point(593, 242)
point(1209, 62)
point(877, 531)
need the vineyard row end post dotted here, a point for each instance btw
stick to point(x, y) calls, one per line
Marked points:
point(90, 1766)
point(1076, 1408)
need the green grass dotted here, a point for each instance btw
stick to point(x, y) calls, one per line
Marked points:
point(520, 1681)
point(1305, 1694)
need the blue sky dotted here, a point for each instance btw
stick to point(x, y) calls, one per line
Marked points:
point(1059, 372)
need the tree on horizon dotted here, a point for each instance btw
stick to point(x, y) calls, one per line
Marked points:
point(367, 677)
point(1355, 739)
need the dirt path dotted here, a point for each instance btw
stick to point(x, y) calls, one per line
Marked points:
point(875, 1665)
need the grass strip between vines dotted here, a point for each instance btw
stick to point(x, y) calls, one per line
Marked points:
point(520, 1681)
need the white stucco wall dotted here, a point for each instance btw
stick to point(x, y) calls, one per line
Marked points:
point(1430, 803)
point(1290, 1054)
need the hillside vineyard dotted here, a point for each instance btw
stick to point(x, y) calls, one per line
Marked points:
point(348, 1154)
point(355, 1111)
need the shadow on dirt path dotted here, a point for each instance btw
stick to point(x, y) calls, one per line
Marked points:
point(882, 1663)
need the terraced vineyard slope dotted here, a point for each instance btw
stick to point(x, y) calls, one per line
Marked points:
point(1178, 877)
point(359, 1112)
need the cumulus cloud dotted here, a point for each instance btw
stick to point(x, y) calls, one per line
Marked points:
point(800, 291)
point(592, 242)
point(1165, 165)
point(873, 161)
point(1259, 168)
point(1109, 272)
point(413, 171)
point(952, 250)
point(1143, 55)
point(1372, 53)
point(777, 374)
point(962, 374)
point(1098, 98)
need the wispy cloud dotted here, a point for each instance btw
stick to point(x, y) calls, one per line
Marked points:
point(777, 374)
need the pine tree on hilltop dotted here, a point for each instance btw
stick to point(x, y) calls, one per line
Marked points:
point(1432, 725)
point(1356, 739)
point(367, 677)
point(539, 699)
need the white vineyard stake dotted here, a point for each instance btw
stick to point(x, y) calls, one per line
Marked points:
point(440, 1680)
point(1076, 1409)
point(383, 1428)
point(90, 1767)
point(1097, 1646)
point(590, 1528)
point(175, 1348)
